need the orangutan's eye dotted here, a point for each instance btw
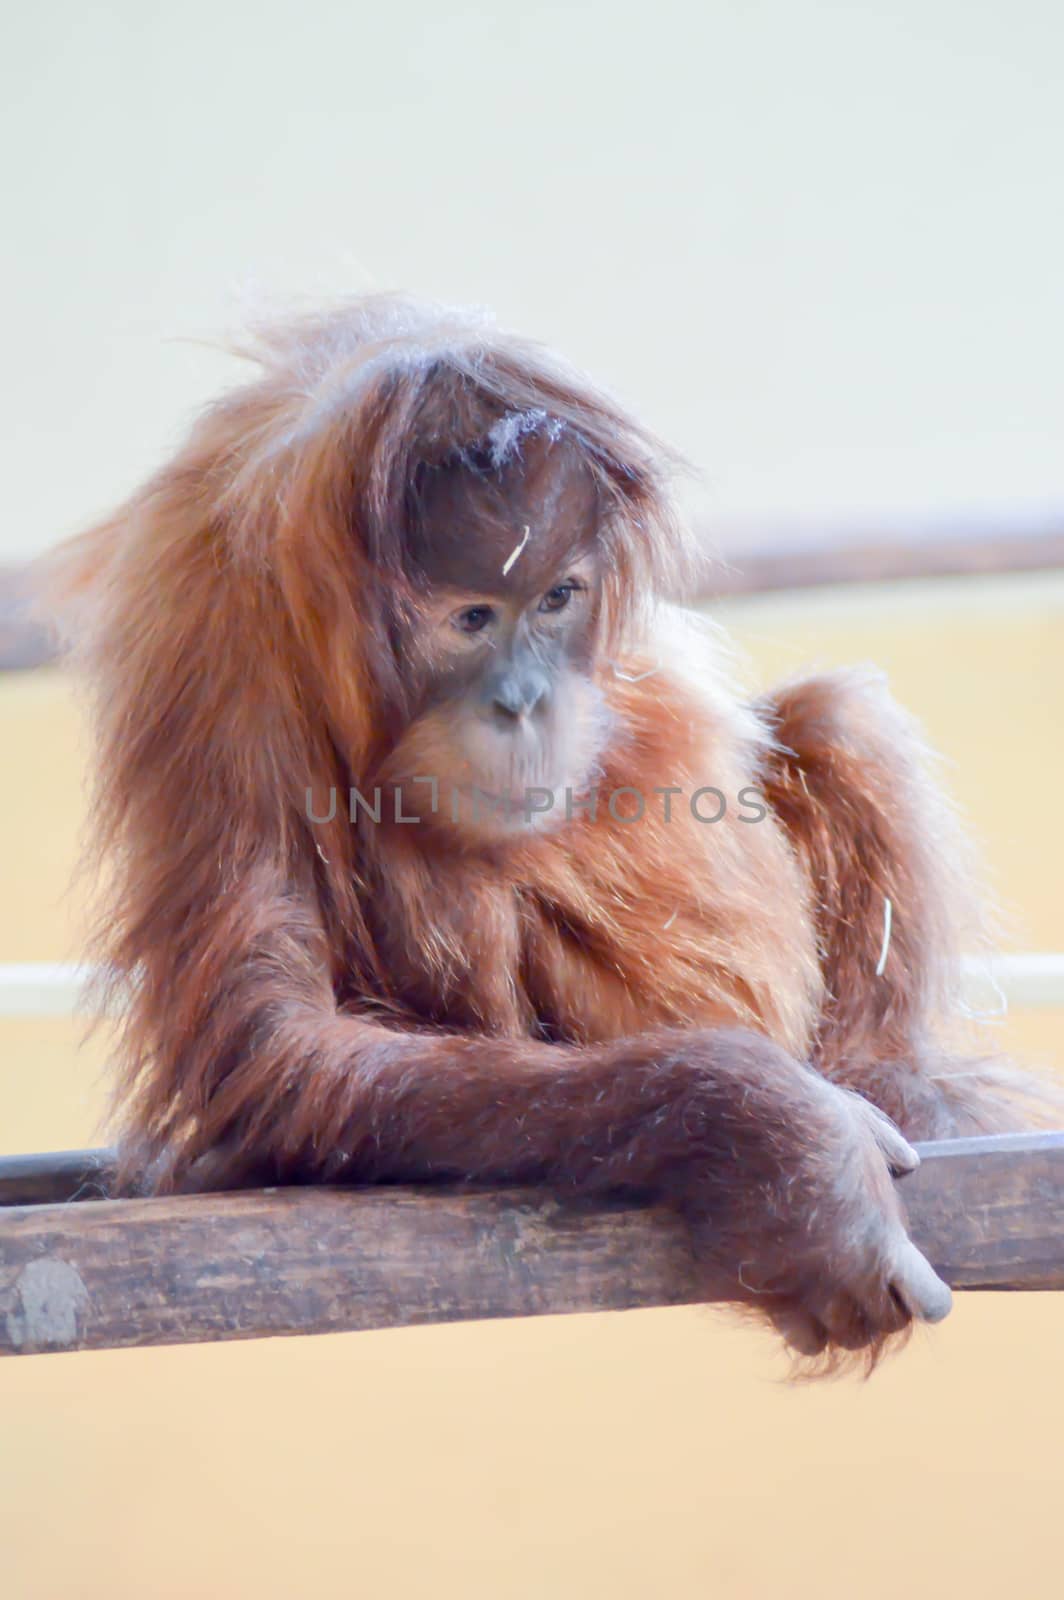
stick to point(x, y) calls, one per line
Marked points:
point(558, 598)
point(474, 619)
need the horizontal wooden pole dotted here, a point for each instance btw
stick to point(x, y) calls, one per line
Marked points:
point(752, 566)
point(59, 1175)
point(988, 1212)
point(24, 639)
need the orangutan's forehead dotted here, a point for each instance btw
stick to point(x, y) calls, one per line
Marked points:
point(507, 522)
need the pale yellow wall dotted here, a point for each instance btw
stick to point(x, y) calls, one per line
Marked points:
point(615, 1456)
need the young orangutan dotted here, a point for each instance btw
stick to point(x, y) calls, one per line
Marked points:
point(634, 941)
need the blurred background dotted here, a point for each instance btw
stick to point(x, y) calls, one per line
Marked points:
point(821, 248)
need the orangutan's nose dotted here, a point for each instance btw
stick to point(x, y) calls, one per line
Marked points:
point(519, 690)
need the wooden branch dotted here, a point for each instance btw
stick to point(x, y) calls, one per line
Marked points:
point(58, 1176)
point(25, 641)
point(988, 1212)
point(752, 566)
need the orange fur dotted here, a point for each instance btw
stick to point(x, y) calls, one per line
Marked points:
point(597, 1005)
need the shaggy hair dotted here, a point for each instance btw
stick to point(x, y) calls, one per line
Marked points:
point(601, 1007)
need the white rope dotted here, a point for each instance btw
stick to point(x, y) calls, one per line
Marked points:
point(1033, 981)
point(41, 988)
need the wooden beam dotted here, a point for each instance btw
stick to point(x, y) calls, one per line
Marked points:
point(25, 641)
point(753, 566)
point(60, 1175)
point(988, 1212)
